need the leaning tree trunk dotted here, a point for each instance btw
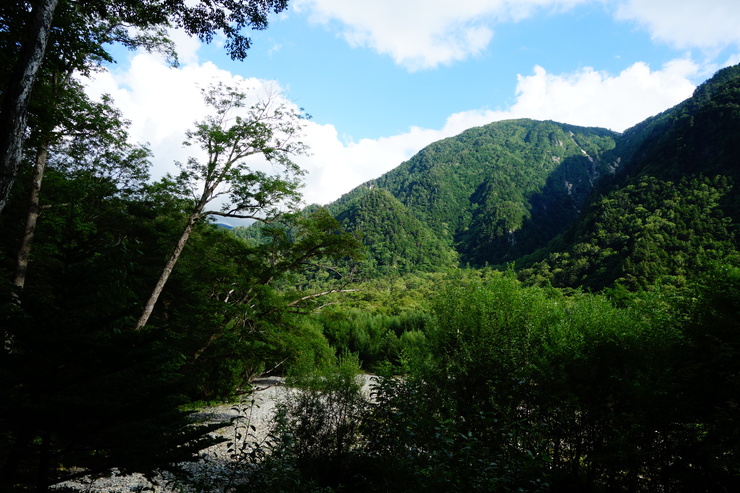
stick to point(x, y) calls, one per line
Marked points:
point(18, 94)
point(21, 267)
point(149, 307)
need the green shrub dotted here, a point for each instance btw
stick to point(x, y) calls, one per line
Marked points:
point(316, 430)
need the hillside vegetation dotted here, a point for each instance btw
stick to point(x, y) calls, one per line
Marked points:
point(603, 358)
point(494, 192)
point(673, 211)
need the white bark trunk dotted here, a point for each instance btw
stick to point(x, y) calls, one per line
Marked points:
point(149, 307)
point(18, 95)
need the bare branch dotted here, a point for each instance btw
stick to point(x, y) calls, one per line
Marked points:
point(234, 215)
point(318, 295)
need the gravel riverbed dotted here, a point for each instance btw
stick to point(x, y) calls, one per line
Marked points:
point(216, 469)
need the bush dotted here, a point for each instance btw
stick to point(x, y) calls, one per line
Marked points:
point(316, 431)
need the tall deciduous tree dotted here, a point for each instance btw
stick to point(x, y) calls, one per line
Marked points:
point(83, 137)
point(270, 128)
point(130, 22)
point(60, 112)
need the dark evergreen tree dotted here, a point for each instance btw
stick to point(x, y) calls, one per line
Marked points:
point(84, 394)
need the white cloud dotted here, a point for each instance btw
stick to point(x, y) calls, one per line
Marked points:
point(684, 24)
point(592, 98)
point(733, 60)
point(422, 34)
point(335, 167)
point(162, 102)
point(187, 46)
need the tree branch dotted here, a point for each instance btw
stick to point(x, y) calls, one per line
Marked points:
point(236, 216)
point(318, 295)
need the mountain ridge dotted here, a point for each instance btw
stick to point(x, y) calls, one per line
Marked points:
point(477, 190)
point(526, 191)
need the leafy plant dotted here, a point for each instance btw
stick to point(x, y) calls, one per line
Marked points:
point(317, 429)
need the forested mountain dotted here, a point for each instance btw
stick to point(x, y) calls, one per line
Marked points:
point(673, 210)
point(494, 192)
point(571, 205)
point(396, 239)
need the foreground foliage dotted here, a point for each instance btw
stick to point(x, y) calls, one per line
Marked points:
point(526, 389)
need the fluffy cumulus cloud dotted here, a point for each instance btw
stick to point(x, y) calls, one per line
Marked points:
point(586, 98)
point(685, 24)
point(162, 102)
point(422, 34)
point(335, 167)
point(592, 98)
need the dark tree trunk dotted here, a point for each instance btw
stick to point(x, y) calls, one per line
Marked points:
point(42, 476)
point(18, 94)
point(24, 251)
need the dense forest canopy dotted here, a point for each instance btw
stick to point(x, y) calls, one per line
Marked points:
point(547, 307)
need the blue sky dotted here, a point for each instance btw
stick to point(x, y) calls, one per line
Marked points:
point(383, 79)
point(369, 95)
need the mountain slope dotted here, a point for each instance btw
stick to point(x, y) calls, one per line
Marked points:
point(397, 242)
point(674, 211)
point(498, 191)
